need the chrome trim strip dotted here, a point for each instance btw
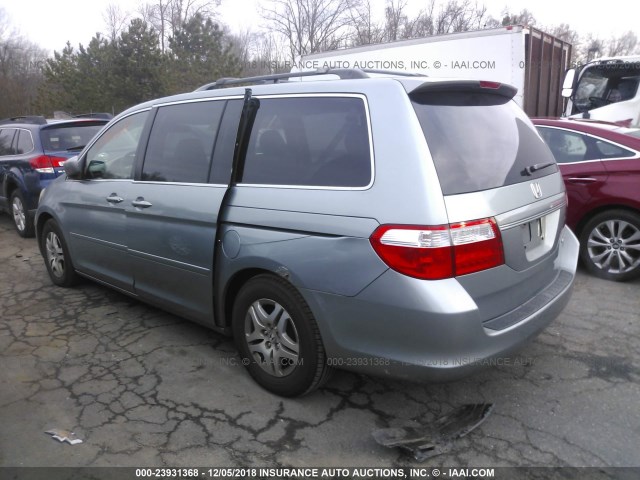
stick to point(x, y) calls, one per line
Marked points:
point(197, 100)
point(170, 262)
point(554, 203)
point(99, 241)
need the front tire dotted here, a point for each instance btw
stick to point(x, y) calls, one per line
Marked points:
point(610, 245)
point(20, 215)
point(278, 337)
point(56, 256)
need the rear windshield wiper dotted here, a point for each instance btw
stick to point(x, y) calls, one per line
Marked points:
point(75, 149)
point(538, 166)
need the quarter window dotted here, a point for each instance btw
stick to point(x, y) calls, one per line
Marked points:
point(6, 136)
point(312, 141)
point(609, 150)
point(25, 142)
point(181, 142)
point(114, 153)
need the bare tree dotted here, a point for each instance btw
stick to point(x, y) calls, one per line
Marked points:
point(366, 30)
point(625, 44)
point(525, 17)
point(241, 44)
point(115, 19)
point(563, 32)
point(309, 26)
point(395, 19)
point(158, 14)
point(167, 16)
point(452, 16)
point(592, 47)
point(20, 69)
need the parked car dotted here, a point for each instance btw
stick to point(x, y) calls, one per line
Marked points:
point(401, 226)
point(32, 151)
point(600, 164)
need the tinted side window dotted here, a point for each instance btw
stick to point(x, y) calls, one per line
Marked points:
point(181, 142)
point(313, 141)
point(567, 147)
point(6, 136)
point(114, 153)
point(24, 143)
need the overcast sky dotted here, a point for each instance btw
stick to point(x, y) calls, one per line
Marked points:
point(51, 23)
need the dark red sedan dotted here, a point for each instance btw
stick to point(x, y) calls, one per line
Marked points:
point(600, 163)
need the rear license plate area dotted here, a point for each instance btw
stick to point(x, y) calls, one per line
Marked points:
point(533, 232)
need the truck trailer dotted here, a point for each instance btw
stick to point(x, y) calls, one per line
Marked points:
point(532, 61)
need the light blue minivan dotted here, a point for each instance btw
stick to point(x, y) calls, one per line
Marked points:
point(394, 225)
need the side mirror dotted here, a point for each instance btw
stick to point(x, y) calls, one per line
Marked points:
point(73, 167)
point(567, 85)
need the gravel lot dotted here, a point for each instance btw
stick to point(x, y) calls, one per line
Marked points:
point(145, 388)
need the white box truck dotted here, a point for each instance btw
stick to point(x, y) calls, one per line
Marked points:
point(605, 89)
point(532, 61)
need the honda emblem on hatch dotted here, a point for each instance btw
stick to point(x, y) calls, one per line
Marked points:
point(536, 189)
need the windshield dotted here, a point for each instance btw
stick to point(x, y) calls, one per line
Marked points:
point(480, 141)
point(602, 85)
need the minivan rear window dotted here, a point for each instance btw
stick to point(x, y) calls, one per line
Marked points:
point(479, 141)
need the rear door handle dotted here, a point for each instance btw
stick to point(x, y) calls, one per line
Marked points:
point(114, 198)
point(140, 202)
point(582, 179)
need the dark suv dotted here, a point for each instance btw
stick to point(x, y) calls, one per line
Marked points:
point(32, 151)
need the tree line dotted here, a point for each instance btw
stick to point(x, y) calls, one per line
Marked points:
point(173, 46)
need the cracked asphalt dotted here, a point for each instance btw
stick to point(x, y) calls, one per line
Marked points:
point(145, 388)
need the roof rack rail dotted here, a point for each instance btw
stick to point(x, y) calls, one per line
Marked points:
point(35, 119)
point(343, 73)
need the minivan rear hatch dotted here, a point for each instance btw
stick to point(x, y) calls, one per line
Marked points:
point(493, 164)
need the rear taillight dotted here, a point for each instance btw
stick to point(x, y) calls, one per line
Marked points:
point(477, 245)
point(442, 251)
point(46, 163)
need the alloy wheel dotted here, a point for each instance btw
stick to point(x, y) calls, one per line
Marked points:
point(19, 215)
point(614, 246)
point(55, 254)
point(272, 337)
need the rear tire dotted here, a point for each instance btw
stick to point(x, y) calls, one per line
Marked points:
point(20, 215)
point(56, 256)
point(610, 245)
point(278, 337)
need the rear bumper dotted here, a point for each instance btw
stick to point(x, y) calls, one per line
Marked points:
point(418, 330)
